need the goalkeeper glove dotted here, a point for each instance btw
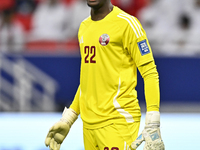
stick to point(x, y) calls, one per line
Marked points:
point(59, 130)
point(151, 133)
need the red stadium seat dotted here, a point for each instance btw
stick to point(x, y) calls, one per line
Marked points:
point(6, 4)
point(52, 46)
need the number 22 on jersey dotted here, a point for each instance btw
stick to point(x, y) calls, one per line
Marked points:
point(90, 53)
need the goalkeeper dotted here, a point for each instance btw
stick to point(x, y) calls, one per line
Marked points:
point(113, 45)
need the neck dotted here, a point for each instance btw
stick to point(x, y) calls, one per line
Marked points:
point(100, 13)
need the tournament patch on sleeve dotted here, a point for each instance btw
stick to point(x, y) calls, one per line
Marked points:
point(144, 48)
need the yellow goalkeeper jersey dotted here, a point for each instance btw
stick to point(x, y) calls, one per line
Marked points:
point(111, 50)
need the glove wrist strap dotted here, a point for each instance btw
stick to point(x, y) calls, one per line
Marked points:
point(152, 118)
point(69, 116)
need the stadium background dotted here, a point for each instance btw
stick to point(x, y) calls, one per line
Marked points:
point(39, 76)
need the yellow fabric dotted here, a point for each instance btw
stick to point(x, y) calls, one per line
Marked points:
point(151, 86)
point(75, 103)
point(109, 72)
point(111, 137)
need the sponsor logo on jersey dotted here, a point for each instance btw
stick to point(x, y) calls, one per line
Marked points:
point(104, 39)
point(144, 48)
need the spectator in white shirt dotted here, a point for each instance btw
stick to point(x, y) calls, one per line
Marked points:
point(11, 33)
point(51, 21)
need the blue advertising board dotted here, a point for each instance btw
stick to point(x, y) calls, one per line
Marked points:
point(179, 77)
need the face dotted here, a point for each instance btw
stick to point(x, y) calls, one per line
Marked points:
point(96, 3)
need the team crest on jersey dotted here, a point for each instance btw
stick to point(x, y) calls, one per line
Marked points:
point(144, 48)
point(104, 39)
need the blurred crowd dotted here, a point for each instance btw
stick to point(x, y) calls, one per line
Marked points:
point(40, 24)
point(172, 26)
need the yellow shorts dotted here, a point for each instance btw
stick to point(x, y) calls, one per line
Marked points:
point(111, 137)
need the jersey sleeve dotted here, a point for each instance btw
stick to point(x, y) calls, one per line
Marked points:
point(75, 102)
point(136, 43)
point(151, 86)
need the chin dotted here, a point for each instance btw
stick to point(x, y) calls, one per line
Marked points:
point(93, 4)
